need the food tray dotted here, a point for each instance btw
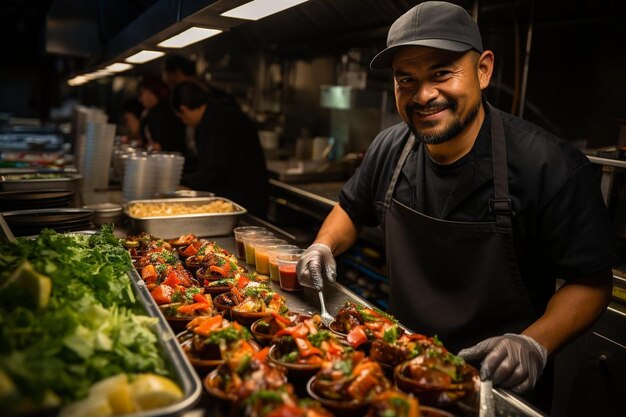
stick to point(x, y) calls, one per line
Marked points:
point(203, 225)
point(67, 182)
point(183, 372)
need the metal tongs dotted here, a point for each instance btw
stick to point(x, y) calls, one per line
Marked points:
point(486, 408)
point(326, 317)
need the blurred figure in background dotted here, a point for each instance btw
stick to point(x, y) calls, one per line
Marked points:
point(131, 121)
point(230, 159)
point(161, 130)
point(179, 69)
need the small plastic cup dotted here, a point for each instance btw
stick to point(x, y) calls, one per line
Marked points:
point(287, 275)
point(261, 254)
point(240, 232)
point(274, 251)
point(248, 243)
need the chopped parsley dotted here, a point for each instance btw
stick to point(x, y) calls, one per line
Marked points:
point(317, 338)
point(228, 334)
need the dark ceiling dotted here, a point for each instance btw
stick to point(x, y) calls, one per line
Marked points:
point(317, 21)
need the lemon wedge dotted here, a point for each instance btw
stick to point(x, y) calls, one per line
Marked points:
point(116, 390)
point(36, 285)
point(151, 391)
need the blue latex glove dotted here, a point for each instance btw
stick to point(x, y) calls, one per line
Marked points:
point(513, 361)
point(316, 264)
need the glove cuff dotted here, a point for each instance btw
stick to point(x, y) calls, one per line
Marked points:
point(542, 351)
point(321, 246)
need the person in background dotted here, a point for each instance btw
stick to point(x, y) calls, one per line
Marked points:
point(161, 130)
point(481, 212)
point(231, 162)
point(131, 117)
point(179, 69)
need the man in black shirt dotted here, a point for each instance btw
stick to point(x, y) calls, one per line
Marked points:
point(481, 211)
point(230, 160)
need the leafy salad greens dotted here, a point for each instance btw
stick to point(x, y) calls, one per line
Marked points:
point(91, 327)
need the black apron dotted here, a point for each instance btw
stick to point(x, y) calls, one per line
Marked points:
point(457, 280)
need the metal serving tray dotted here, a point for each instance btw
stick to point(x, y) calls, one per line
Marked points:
point(202, 225)
point(183, 372)
point(173, 355)
point(67, 182)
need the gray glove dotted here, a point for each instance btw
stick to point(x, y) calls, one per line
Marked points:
point(316, 264)
point(512, 361)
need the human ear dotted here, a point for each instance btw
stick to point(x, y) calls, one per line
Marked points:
point(485, 69)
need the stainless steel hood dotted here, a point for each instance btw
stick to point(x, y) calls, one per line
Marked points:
point(106, 30)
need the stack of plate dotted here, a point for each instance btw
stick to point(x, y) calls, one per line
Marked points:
point(22, 200)
point(170, 169)
point(31, 222)
point(98, 150)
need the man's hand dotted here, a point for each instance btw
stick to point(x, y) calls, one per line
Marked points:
point(511, 361)
point(316, 264)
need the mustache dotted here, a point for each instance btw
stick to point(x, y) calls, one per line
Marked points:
point(431, 106)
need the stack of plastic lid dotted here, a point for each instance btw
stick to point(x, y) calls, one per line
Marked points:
point(169, 172)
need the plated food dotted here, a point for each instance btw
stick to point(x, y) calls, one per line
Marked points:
point(348, 385)
point(242, 376)
point(212, 340)
point(361, 324)
point(437, 377)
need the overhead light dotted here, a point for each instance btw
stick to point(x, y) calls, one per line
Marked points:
point(78, 80)
point(191, 35)
point(144, 56)
point(258, 9)
point(118, 67)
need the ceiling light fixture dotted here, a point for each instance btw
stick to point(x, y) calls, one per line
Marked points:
point(118, 67)
point(144, 56)
point(191, 35)
point(258, 9)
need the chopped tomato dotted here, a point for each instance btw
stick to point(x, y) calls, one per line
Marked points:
point(189, 251)
point(171, 280)
point(356, 337)
point(208, 325)
point(162, 294)
point(298, 331)
point(262, 354)
point(149, 273)
point(201, 298)
point(243, 281)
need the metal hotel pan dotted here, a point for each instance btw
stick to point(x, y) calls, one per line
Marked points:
point(201, 225)
point(183, 372)
point(65, 182)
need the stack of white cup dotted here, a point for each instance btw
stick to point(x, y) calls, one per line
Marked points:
point(99, 138)
point(170, 170)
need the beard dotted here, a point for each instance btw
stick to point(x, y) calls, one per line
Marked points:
point(457, 125)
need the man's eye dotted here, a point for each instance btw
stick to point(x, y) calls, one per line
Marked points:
point(442, 74)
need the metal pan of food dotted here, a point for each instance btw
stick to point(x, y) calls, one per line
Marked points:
point(170, 218)
point(143, 396)
point(39, 181)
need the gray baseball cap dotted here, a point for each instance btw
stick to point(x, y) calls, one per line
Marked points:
point(437, 24)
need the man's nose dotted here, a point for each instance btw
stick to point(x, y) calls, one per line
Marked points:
point(425, 93)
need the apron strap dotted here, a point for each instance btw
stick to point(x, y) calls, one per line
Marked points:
point(501, 204)
point(396, 173)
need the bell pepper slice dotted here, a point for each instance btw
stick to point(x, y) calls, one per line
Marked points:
point(306, 348)
point(243, 281)
point(356, 337)
point(222, 270)
point(298, 331)
point(208, 325)
point(281, 320)
point(201, 298)
point(190, 308)
point(261, 355)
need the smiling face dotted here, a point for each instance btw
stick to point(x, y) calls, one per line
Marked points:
point(438, 93)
